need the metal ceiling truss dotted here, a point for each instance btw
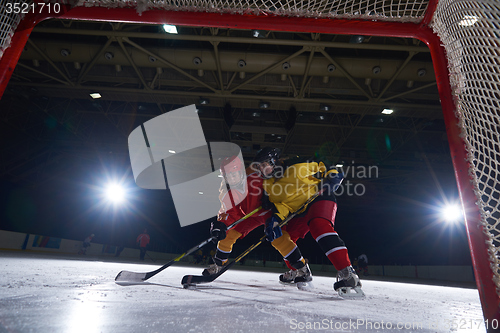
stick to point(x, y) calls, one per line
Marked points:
point(318, 88)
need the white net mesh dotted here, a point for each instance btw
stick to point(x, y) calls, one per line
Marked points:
point(402, 10)
point(9, 21)
point(470, 33)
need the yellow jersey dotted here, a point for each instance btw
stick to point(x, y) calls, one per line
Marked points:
point(297, 183)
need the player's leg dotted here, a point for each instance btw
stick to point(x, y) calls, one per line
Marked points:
point(299, 269)
point(322, 215)
point(224, 248)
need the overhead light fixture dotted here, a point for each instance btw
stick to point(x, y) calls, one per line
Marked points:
point(171, 29)
point(468, 20)
point(356, 39)
point(258, 34)
point(421, 72)
point(65, 52)
point(321, 117)
point(256, 114)
point(387, 111)
point(109, 55)
point(264, 105)
point(376, 70)
point(204, 101)
point(171, 151)
point(241, 63)
point(324, 107)
point(200, 192)
point(197, 61)
point(95, 95)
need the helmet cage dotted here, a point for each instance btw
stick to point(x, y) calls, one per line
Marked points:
point(269, 155)
point(230, 165)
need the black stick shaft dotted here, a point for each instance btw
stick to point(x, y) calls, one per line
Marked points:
point(251, 248)
point(188, 252)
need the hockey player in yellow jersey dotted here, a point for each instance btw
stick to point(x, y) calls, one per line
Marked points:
point(288, 185)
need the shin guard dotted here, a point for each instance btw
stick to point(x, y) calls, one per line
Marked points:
point(330, 242)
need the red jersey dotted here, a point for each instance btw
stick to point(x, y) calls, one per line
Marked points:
point(143, 240)
point(234, 203)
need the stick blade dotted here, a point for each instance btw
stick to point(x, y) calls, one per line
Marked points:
point(197, 279)
point(126, 276)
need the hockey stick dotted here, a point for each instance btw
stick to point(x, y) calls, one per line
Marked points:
point(127, 276)
point(188, 280)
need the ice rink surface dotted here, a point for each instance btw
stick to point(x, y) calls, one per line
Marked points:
point(44, 293)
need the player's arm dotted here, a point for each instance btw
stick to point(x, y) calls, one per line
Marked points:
point(329, 176)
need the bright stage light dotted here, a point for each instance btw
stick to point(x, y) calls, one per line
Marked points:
point(115, 193)
point(452, 213)
point(171, 29)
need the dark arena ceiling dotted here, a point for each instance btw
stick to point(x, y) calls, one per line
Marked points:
point(308, 94)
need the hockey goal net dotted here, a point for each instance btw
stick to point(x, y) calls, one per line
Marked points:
point(468, 79)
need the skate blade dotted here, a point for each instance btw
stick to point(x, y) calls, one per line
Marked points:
point(189, 286)
point(349, 292)
point(306, 286)
point(289, 284)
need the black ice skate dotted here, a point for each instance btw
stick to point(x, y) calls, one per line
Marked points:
point(300, 277)
point(348, 284)
point(214, 268)
point(211, 270)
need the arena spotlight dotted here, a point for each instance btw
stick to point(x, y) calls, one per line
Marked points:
point(451, 213)
point(115, 193)
point(169, 28)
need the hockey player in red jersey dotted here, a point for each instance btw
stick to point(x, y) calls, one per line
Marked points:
point(288, 186)
point(239, 195)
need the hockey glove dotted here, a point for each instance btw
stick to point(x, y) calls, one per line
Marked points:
point(218, 230)
point(273, 230)
point(333, 181)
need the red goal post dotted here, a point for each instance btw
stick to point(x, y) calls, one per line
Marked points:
point(464, 41)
